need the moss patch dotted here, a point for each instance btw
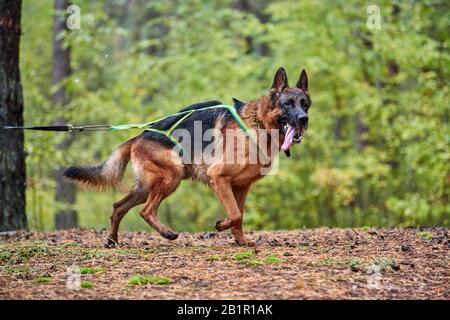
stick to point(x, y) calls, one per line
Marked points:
point(87, 285)
point(43, 280)
point(243, 255)
point(273, 259)
point(87, 270)
point(140, 280)
point(214, 258)
point(425, 234)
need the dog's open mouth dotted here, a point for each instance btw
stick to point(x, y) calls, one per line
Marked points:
point(291, 135)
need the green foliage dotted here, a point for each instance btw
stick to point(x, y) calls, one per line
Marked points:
point(273, 259)
point(425, 234)
point(384, 262)
point(253, 263)
point(21, 254)
point(355, 263)
point(19, 270)
point(43, 280)
point(141, 280)
point(87, 270)
point(248, 258)
point(243, 255)
point(214, 258)
point(87, 284)
point(376, 151)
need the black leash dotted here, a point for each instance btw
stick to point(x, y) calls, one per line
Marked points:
point(67, 128)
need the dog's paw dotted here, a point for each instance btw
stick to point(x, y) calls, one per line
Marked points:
point(111, 243)
point(245, 243)
point(219, 224)
point(169, 235)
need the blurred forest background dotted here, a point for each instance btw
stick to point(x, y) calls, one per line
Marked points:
point(377, 149)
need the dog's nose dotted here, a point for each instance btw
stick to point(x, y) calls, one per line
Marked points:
point(302, 120)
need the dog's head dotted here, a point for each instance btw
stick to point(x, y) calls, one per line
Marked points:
point(292, 104)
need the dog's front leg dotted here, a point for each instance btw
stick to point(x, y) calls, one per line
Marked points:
point(240, 194)
point(222, 187)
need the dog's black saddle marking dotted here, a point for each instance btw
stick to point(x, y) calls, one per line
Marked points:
point(207, 117)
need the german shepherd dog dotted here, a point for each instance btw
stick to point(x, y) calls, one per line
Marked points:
point(158, 168)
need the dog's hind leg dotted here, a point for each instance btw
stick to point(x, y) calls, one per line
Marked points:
point(240, 194)
point(121, 208)
point(163, 185)
point(160, 170)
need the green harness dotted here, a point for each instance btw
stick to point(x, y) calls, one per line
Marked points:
point(145, 126)
point(187, 113)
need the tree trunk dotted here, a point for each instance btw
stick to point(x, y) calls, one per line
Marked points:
point(12, 156)
point(257, 9)
point(65, 193)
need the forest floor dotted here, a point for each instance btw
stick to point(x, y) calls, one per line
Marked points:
point(321, 263)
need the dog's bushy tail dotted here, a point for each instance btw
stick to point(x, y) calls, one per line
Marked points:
point(108, 174)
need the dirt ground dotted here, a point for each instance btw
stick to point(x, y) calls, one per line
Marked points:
point(304, 264)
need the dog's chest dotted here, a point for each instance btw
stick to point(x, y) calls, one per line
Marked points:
point(248, 174)
point(199, 173)
point(238, 174)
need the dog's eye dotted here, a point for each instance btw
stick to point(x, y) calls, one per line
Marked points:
point(304, 104)
point(289, 103)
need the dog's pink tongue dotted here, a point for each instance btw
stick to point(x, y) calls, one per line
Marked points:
point(288, 138)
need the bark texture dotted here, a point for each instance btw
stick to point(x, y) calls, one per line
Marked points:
point(12, 156)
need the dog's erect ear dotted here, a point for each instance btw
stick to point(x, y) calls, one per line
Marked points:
point(237, 103)
point(303, 81)
point(280, 80)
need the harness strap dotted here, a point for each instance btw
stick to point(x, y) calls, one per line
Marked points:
point(245, 128)
point(173, 127)
point(168, 136)
point(147, 126)
point(231, 109)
